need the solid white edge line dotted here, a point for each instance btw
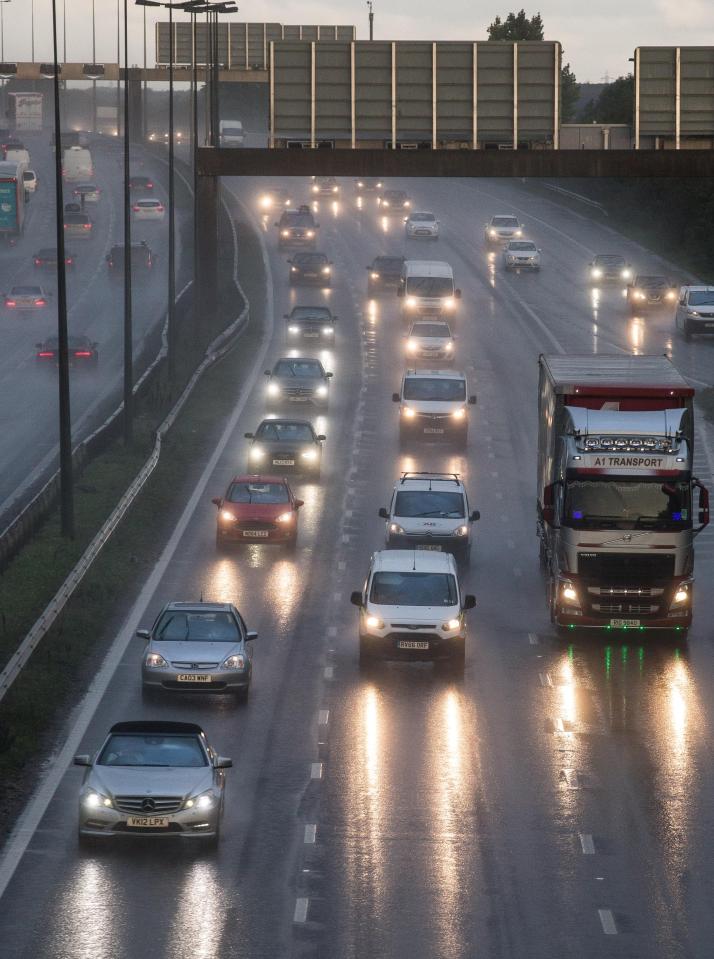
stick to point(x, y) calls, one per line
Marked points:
point(301, 905)
point(310, 833)
point(607, 921)
point(36, 808)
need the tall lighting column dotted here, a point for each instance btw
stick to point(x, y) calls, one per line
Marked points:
point(128, 319)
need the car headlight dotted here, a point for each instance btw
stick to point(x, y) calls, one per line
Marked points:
point(226, 516)
point(234, 662)
point(639, 295)
point(518, 233)
point(94, 800)
point(326, 270)
point(682, 595)
point(285, 233)
point(374, 622)
point(328, 329)
point(671, 295)
point(360, 184)
point(449, 347)
point(492, 233)
point(310, 233)
point(315, 188)
point(693, 312)
point(335, 189)
point(407, 203)
point(293, 329)
point(256, 453)
point(321, 390)
point(374, 276)
point(155, 661)
point(412, 346)
point(411, 302)
point(310, 455)
point(293, 269)
point(273, 389)
point(459, 414)
point(626, 274)
point(409, 412)
point(266, 202)
point(450, 625)
point(285, 518)
point(461, 531)
point(448, 302)
point(596, 273)
point(396, 528)
point(206, 800)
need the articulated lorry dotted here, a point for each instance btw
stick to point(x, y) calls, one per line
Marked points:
point(616, 513)
point(24, 111)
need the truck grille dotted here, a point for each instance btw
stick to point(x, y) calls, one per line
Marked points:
point(135, 805)
point(626, 571)
point(625, 609)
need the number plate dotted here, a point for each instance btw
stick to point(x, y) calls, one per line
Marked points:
point(433, 429)
point(148, 822)
point(193, 678)
point(311, 334)
point(283, 462)
point(624, 622)
point(256, 532)
point(412, 644)
point(310, 276)
point(298, 399)
point(435, 548)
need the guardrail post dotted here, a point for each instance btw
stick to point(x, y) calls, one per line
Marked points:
point(206, 213)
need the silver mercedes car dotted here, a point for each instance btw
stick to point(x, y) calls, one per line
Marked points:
point(198, 647)
point(153, 779)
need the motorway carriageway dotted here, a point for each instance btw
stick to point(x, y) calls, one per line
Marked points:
point(95, 303)
point(556, 801)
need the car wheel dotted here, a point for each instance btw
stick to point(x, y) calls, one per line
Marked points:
point(291, 544)
point(221, 545)
point(242, 694)
point(687, 330)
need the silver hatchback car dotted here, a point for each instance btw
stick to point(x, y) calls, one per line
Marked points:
point(153, 779)
point(198, 647)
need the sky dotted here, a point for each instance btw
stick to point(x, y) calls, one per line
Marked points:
point(598, 38)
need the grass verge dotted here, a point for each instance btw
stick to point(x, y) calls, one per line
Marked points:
point(60, 670)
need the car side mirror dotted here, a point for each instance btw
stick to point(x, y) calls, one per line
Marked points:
point(396, 398)
point(222, 762)
point(472, 401)
point(82, 760)
point(457, 294)
point(249, 436)
point(383, 512)
point(475, 516)
point(290, 260)
point(329, 376)
point(356, 598)
point(299, 503)
point(267, 372)
point(469, 602)
point(321, 437)
point(251, 636)
point(217, 501)
point(143, 634)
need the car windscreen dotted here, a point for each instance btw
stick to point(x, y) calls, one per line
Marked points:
point(429, 503)
point(132, 749)
point(183, 625)
point(609, 260)
point(46, 253)
point(76, 342)
point(522, 246)
point(308, 368)
point(701, 298)
point(441, 389)
point(504, 221)
point(430, 329)
point(266, 493)
point(631, 504)
point(309, 259)
point(233, 130)
point(296, 219)
point(28, 175)
point(430, 286)
point(26, 291)
point(310, 313)
point(148, 204)
point(651, 282)
point(395, 196)
point(285, 432)
point(397, 588)
point(422, 217)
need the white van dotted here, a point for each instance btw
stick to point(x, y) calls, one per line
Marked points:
point(77, 164)
point(427, 288)
point(231, 133)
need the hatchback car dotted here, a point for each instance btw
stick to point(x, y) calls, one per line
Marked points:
point(46, 258)
point(27, 298)
point(384, 274)
point(158, 779)
point(286, 445)
point(411, 608)
point(430, 511)
point(431, 341)
point(326, 186)
point(87, 192)
point(423, 226)
point(651, 292)
point(141, 184)
point(394, 203)
point(310, 269)
point(298, 380)
point(521, 255)
point(83, 352)
point(29, 178)
point(197, 647)
point(501, 228)
point(148, 210)
point(257, 508)
point(311, 324)
point(609, 268)
point(78, 226)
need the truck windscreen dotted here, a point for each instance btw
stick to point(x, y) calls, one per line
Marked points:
point(633, 504)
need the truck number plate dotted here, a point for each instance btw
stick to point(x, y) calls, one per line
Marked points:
point(624, 622)
point(435, 548)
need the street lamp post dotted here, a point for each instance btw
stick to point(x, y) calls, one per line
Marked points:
point(371, 20)
point(128, 319)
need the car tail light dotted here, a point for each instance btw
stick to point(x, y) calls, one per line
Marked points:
point(69, 261)
point(10, 303)
point(160, 209)
point(136, 208)
point(149, 185)
point(86, 226)
point(40, 302)
point(45, 353)
point(38, 261)
point(82, 352)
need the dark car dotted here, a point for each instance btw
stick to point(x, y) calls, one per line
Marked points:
point(310, 269)
point(647, 292)
point(46, 258)
point(368, 184)
point(394, 203)
point(141, 184)
point(284, 444)
point(298, 379)
point(83, 352)
point(143, 258)
point(610, 268)
point(384, 274)
point(315, 324)
point(297, 228)
point(257, 508)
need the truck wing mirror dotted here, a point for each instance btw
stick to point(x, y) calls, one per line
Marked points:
point(249, 436)
point(400, 292)
point(383, 513)
point(703, 505)
point(267, 372)
point(457, 294)
point(82, 760)
point(356, 598)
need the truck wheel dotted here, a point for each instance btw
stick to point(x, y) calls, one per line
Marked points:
point(542, 554)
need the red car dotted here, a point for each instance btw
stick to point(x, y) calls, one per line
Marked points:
point(257, 509)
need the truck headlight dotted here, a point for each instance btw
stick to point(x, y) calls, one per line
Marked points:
point(310, 455)
point(285, 233)
point(681, 595)
point(155, 661)
point(374, 622)
point(569, 594)
point(93, 800)
point(256, 453)
point(450, 625)
point(266, 202)
point(459, 414)
point(226, 516)
point(273, 389)
point(321, 390)
point(626, 274)
point(448, 302)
